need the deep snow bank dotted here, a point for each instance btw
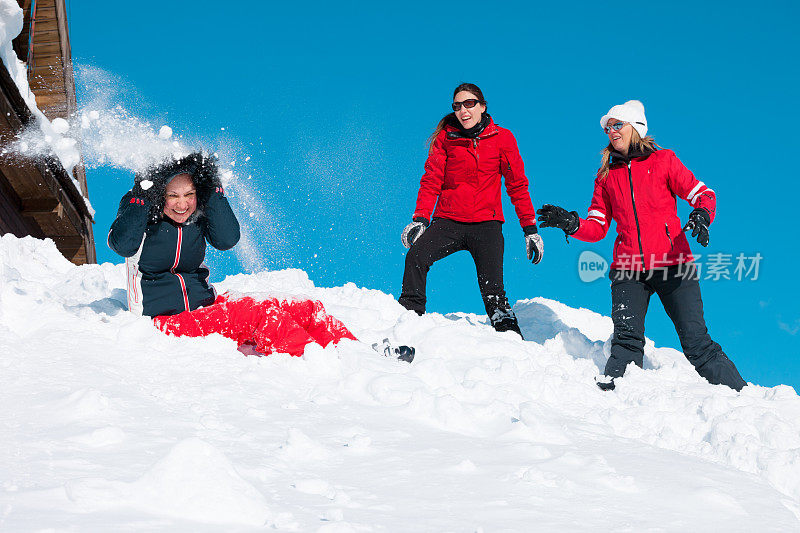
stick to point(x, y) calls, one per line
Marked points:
point(107, 422)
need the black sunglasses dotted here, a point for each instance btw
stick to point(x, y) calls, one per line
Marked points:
point(469, 104)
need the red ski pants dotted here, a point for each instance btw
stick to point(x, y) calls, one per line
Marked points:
point(271, 325)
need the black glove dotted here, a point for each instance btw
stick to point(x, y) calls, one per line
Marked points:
point(552, 216)
point(148, 190)
point(414, 231)
point(206, 175)
point(699, 220)
point(208, 167)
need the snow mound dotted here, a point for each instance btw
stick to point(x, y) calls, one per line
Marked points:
point(482, 431)
point(195, 481)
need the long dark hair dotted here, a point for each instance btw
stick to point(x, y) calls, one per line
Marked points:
point(469, 87)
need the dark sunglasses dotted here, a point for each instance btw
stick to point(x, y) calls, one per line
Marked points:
point(469, 104)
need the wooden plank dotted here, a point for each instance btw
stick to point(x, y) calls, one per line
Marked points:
point(44, 34)
point(22, 182)
point(51, 100)
point(35, 206)
point(11, 220)
point(46, 56)
point(68, 245)
point(44, 25)
point(47, 85)
point(44, 67)
point(50, 96)
point(47, 47)
point(72, 202)
point(47, 76)
point(8, 192)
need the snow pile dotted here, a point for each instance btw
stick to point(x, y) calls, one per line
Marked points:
point(109, 424)
point(49, 135)
point(195, 481)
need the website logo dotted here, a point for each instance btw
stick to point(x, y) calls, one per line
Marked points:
point(591, 266)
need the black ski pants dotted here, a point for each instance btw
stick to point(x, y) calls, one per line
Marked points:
point(679, 291)
point(483, 240)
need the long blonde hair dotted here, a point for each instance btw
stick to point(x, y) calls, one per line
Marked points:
point(648, 144)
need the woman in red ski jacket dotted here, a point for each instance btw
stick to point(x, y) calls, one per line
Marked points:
point(637, 186)
point(162, 227)
point(459, 205)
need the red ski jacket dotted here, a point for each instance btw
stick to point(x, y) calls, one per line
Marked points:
point(464, 176)
point(640, 197)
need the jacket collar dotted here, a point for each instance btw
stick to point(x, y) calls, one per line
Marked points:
point(454, 130)
point(621, 159)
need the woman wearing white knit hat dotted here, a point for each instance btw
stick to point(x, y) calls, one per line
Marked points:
point(636, 185)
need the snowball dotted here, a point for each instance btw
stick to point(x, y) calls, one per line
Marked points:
point(165, 132)
point(60, 125)
point(65, 143)
point(145, 184)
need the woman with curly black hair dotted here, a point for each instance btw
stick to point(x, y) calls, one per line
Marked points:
point(162, 227)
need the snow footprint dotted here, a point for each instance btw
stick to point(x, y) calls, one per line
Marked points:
point(100, 437)
point(83, 404)
point(300, 447)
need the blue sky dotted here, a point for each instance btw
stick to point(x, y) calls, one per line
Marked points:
point(333, 103)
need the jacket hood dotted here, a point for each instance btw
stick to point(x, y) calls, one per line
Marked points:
point(201, 166)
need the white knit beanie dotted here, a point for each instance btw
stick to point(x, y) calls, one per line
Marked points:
point(631, 111)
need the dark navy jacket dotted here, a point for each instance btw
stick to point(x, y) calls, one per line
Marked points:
point(164, 259)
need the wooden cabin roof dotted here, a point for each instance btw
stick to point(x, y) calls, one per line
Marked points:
point(38, 198)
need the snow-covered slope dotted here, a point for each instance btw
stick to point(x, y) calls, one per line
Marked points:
point(107, 424)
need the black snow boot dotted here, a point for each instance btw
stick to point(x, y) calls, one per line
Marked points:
point(606, 385)
point(401, 353)
point(500, 314)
